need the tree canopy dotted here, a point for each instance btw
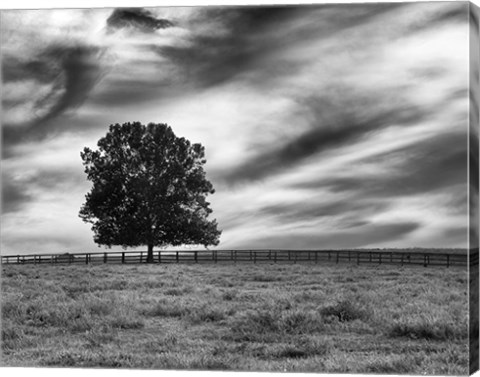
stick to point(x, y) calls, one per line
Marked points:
point(149, 188)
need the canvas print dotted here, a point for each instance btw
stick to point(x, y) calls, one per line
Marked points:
point(282, 188)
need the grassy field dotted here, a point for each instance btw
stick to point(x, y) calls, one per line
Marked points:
point(334, 318)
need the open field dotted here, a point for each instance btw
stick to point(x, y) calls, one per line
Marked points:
point(268, 317)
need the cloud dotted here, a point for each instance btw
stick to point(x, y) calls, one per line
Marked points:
point(243, 43)
point(229, 46)
point(137, 19)
point(70, 73)
point(361, 236)
point(14, 195)
point(434, 164)
point(21, 189)
point(345, 126)
point(310, 210)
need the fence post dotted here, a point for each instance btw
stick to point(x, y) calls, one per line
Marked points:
point(70, 258)
point(176, 256)
point(424, 260)
point(295, 258)
point(448, 260)
point(196, 256)
point(275, 257)
point(289, 256)
point(402, 259)
point(337, 256)
point(18, 259)
point(370, 257)
point(254, 257)
point(215, 255)
point(358, 257)
point(349, 257)
point(380, 258)
point(86, 258)
point(316, 256)
point(141, 257)
point(104, 257)
point(329, 255)
point(159, 256)
point(123, 257)
point(391, 257)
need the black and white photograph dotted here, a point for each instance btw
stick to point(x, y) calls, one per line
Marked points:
point(270, 187)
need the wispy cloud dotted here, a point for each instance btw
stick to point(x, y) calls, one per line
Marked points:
point(68, 73)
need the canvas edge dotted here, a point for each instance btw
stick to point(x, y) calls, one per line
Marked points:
point(473, 170)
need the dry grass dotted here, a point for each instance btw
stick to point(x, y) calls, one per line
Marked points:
point(304, 318)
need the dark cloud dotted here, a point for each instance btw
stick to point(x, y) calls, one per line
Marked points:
point(205, 60)
point(433, 165)
point(17, 192)
point(48, 179)
point(323, 135)
point(16, 69)
point(252, 34)
point(81, 71)
point(136, 18)
point(131, 91)
point(14, 195)
point(211, 60)
point(424, 167)
point(347, 213)
point(456, 12)
point(360, 236)
point(72, 71)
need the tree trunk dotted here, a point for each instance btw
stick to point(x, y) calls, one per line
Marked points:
point(150, 253)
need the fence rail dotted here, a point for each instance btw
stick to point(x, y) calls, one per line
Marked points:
point(403, 258)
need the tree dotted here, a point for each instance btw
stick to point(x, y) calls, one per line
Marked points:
point(149, 188)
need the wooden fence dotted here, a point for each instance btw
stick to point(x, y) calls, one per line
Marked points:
point(359, 257)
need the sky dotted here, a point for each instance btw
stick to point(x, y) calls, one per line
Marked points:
point(325, 126)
